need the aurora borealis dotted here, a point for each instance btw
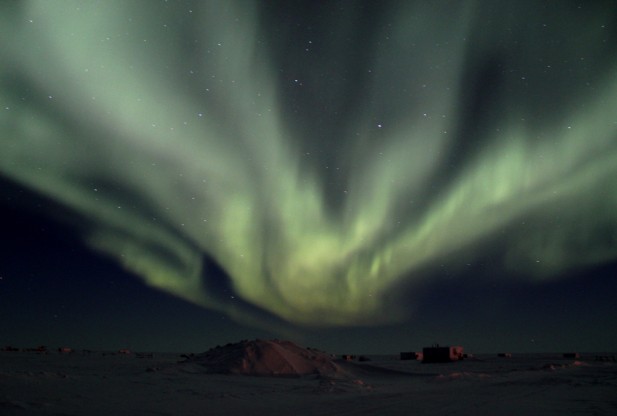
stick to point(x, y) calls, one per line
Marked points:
point(327, 157)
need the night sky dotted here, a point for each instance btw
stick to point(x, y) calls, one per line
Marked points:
point(351, 175)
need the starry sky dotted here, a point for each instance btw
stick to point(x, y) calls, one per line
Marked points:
point(351, 175)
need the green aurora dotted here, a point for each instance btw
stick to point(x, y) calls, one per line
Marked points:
point(321, 175)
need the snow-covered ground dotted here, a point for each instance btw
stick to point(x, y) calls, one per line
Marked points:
point(118, 384)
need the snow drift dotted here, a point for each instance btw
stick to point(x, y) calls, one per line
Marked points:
point(265, 358)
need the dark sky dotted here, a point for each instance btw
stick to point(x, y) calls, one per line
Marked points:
point(355, 176)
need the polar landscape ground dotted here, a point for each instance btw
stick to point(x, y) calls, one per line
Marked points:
point(98, 383)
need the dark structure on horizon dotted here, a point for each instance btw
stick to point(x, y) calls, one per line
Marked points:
point(574, 355)
point(411, 356)
point(437, 354)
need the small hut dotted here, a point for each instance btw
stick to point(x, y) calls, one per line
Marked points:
point(572, 355)
point(411, 356)
point(437, 354)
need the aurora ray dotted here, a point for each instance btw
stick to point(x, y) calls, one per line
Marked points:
point(170, 131)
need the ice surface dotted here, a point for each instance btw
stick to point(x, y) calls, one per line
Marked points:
point(123, 384)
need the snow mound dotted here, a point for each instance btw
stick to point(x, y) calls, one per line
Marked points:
point(265, 358)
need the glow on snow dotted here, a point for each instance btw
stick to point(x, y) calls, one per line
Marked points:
point(161, 160)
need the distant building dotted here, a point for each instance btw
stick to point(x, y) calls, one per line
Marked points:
point(65, 350)
point(10, 348)
point(124, 351)
point(437, 354)
point(505, 355)
point(348, 357)
point(411, 356)
point(572, 355)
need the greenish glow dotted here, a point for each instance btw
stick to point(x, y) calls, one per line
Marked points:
point(166, 160)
